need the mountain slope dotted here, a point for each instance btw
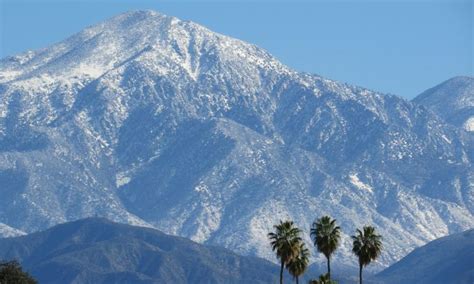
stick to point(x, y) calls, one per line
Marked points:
point(149, 120)
point(95, 250)
point(445, 260)
point(453, 100)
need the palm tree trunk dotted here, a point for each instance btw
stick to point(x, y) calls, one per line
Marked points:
point(360, 273)
point(281, 272)
point(329, 269)
point(297, 282)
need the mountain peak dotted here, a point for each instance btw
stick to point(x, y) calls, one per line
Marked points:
point(461, 78)
point(453, 100)
point(454, 88)
point(145, 38)
point(140, 13)
point(145, 19)
point(93, 51)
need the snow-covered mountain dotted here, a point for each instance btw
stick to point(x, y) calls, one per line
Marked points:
point(150, 120)
point(453, 100)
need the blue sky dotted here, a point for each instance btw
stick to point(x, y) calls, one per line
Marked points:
point(399, 47)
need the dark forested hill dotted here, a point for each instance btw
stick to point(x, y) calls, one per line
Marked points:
point(446, 260)
point(96, 250)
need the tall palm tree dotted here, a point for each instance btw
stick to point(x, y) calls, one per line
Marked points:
point(285, 242)
point(367, 246)
point(326, 236)
point(297, 266)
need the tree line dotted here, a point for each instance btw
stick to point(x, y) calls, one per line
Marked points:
point(290, 249)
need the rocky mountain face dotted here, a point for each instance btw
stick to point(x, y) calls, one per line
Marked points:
point(445, 260)
point(95, 250)
point(150, 120)
point(452, 100)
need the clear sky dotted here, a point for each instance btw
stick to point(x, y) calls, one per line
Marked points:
point(400, 47)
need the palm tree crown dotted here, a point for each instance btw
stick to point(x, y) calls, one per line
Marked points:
point(285, 241)
point(367, 246)
point(323, 279)
point(297, 266)
point(326, 236)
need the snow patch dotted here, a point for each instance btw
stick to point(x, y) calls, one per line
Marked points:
point(8, 75)
point(446, 138)
point(89, 70)
point(469, 124)
point(7, 231)
point(121, 179)
point(354, 179)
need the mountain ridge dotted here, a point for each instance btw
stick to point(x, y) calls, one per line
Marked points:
point(444, 260)
point(95, 250)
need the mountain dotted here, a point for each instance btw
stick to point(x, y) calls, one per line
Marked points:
point(95, 250)
point(453, 100)
point(445, 260)
point(149, 120)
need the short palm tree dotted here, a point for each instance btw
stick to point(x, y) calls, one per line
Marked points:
point(367, 246)
point(297, 266)
point(323, 279)
point(326, 236)
point(285, 242)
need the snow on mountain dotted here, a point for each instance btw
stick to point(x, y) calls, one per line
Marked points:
point(150, 120)
point(7, 231)
point(453, 100)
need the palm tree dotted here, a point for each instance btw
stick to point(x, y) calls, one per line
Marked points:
point(326, 236)
point(323, 279)
point(285, 242)
point(367, 246)
point(297, 266)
